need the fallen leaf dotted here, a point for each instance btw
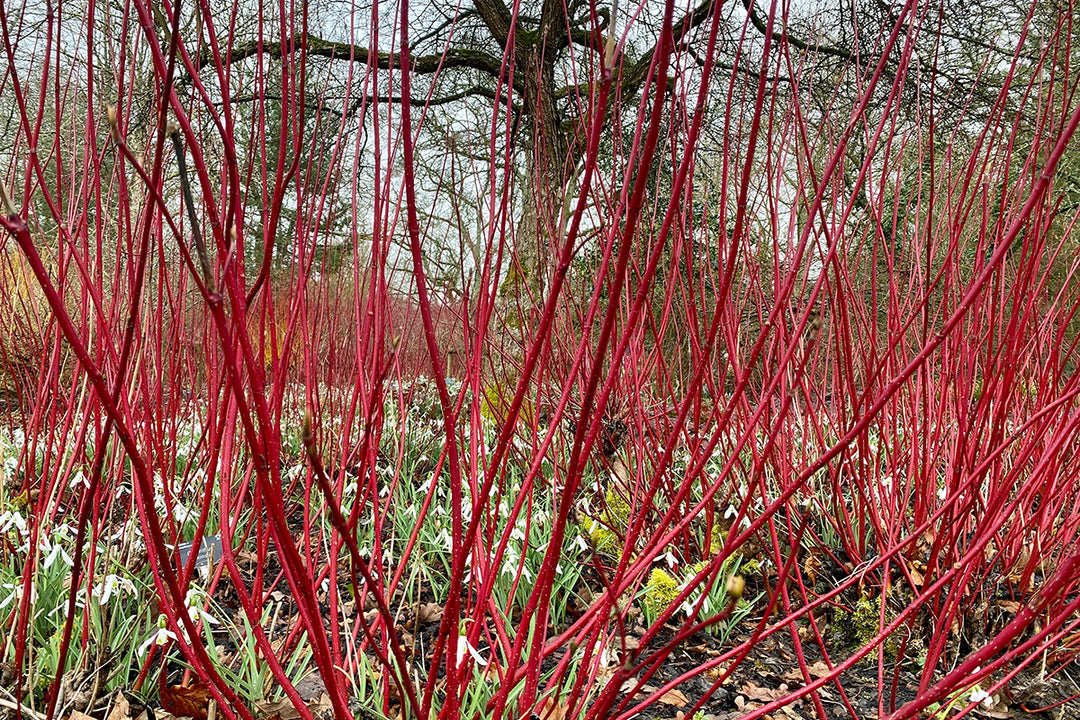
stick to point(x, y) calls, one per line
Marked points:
point(995, 714)
point(121, 709)
point(811, 567)
point(193, 702)
point(76, 715)
point(282, 709)
point(552, 710)
point(321, 708)
point(429, 613)
point(762, 694)
point(674, 697)
point(310, 688)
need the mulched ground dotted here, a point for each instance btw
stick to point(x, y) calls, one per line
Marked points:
point(770, 671)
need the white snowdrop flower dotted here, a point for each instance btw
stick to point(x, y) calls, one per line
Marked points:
point(79, 479)
point(194, 602)
point(63, 606)
point(731, 512)
point(463, 647)
point(941, 493)
point(668, 558)
point(53, 552)
point(181, 514)
point(580, 543)
point(12, 519)
point(160, 637)
point(14, 593)
point(511, 556)
point(980, 696)
point(444, 539)
point(687, 607)
point(112, 585)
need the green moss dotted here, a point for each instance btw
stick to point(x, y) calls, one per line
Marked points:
point(750, 568)
point(864, 626)
point(864, 620)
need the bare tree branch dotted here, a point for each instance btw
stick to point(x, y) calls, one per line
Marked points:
point(315, 46)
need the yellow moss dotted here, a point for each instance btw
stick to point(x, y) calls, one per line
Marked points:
point(618, 510)
point(617, 515)
point(495, 407)
point(605, 541)
point(717, 539)
point(660, 591)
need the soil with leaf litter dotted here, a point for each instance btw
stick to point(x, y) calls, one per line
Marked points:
point(769, 672)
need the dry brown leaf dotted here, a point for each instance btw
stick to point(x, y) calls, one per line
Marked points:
point(493, 672)
point(816, 669)
point(322, 707)
point(753, 691)
point(552, 710)
point(76, 715)
point(193, 702)
point(674, 697)
point(429, 613)
point(995, 714)
point(811, 567)
point(283, 709)
point(121, 709)
point(246, 556)
point(744, 705)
